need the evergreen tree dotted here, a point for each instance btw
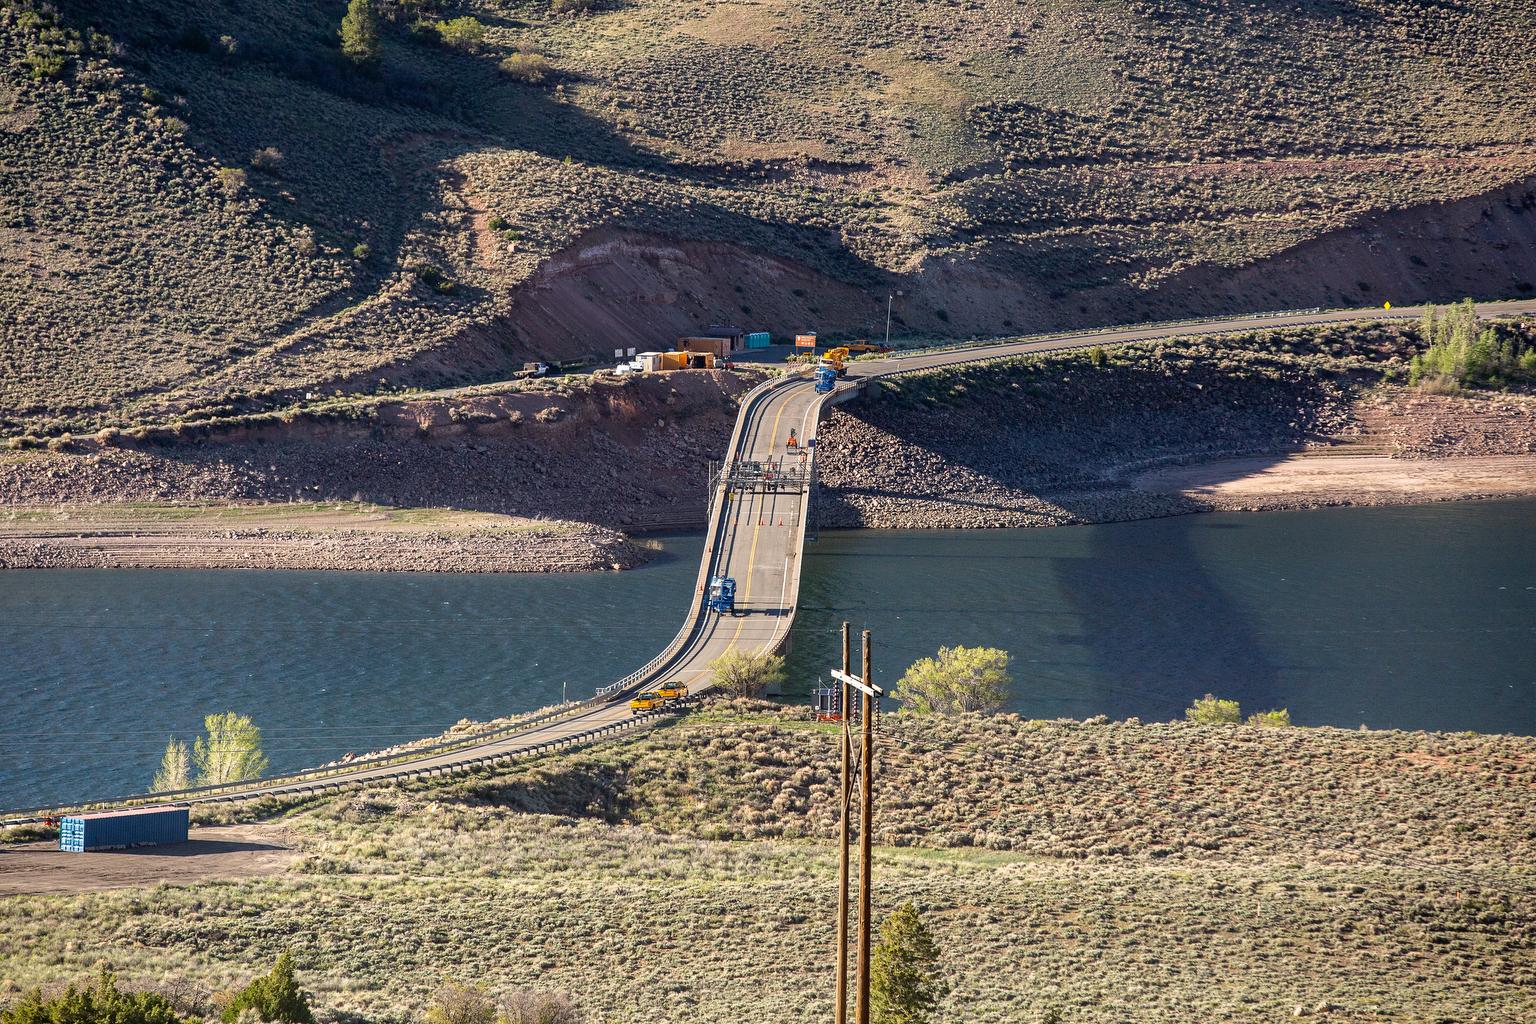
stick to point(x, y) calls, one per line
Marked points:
point(904, 982)
point(104, 1003)
point(275, 997)
point(173, 773)
point(360, 34)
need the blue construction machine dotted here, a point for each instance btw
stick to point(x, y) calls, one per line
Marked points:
point(826, 380)
point(722, 595)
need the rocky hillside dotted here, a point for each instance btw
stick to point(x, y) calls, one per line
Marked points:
point(206, 206)
point(1061, 438)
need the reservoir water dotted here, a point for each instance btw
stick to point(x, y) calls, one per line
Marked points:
point(1421, 617)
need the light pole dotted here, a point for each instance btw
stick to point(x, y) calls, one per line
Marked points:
point(889, 300)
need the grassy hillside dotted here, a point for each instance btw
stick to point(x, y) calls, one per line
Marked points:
point(1115, 871)
point(1009, 163)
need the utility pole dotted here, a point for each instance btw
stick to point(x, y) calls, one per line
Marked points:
point(889, 299)
point(846, 797)
point(866, 832)
point(865, 770)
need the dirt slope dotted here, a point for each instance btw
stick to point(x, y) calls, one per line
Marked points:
point(206, 207)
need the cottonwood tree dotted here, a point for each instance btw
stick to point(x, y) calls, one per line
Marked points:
point(360, 34)
point(905, 983)
point(960, 679)
point(746, 675)
point(175, 768)
point(230, 752)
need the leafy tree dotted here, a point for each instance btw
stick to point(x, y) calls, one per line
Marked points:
point(174, 770)
point(103, 1003)
point(461, 1004)
point(230, 752)
point(1280, 719)
point(1209, 710)
point(464, 33)
point(360, 34)
point(746, 675)
point(1462, 350)
point(905, 985)
point(960, 679)
point(274, 996)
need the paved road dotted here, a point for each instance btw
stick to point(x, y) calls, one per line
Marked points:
point(756, 536)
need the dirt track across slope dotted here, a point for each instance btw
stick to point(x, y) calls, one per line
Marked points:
point(236, 851)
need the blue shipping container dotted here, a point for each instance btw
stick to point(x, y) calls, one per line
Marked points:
point(759, 339)
point(114, 830)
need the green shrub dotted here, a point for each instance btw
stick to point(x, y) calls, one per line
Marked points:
point(361, 251)
point(1271, 719)
point(1210, 710)
point(104, 1003)
point(433, 278)
point(44, 65)
point(1098, 357)
point(232, 179)
point(529, 68)
point(466, 33)
point(572, 6)
point(275, 996)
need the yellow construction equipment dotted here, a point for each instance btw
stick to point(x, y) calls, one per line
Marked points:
point(836, 359)
point(673, 690)
point(647, 701)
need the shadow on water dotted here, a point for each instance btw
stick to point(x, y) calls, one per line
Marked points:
point(1156, 624)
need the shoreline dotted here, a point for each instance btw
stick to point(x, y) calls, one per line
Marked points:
point(360, 538)
point(317, 537)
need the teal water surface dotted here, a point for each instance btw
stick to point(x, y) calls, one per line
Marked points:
point(1417, 618)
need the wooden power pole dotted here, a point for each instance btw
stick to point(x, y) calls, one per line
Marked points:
point(846, 796)
point(864, 768)
point(866, 830)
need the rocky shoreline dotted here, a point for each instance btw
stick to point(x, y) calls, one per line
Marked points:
point(1240, 423)
point(117, 539)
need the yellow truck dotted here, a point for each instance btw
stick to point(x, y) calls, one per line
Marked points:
point(673, 690)
point(650, 700)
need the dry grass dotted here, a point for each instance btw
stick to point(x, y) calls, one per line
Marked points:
point(1074, 146)
point(1119, 871)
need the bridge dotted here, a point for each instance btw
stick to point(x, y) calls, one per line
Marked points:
point(760, 504)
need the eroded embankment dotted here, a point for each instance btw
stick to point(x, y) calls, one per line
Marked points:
point(619, 453)
point(1285, 419)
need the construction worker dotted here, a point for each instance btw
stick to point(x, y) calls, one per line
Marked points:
point(793, 442)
